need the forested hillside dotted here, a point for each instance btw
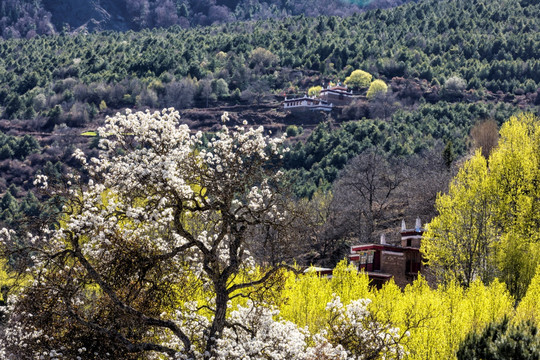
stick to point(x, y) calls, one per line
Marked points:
point(481, 60)
point(494, 47)
point(26, 19)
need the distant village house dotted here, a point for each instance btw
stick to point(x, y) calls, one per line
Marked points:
point(307, 103)
point(329, 96)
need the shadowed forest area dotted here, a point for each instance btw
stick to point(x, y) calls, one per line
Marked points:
point(29, 18)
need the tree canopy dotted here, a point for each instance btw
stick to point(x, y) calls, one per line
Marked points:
point(376, 87)
point(163, 213)
point(488, 222)
point(358, 79)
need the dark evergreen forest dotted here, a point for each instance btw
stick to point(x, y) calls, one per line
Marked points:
point(28, 18)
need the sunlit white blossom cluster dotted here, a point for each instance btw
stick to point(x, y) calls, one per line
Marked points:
point(257, 333)
point(356, 334)
point(41, 181)
point(259, 336)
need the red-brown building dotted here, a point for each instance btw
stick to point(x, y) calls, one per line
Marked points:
point(385, 261)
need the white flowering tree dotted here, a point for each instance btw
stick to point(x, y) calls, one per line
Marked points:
point(354, 332)
point(163, 220)
point(256, 334)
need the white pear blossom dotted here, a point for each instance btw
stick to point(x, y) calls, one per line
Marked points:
point(164, 214)
point(257, 336)
point(162, 210)
point(41, 181)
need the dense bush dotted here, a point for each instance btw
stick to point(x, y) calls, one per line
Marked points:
point(503, 341)
point(13, 147)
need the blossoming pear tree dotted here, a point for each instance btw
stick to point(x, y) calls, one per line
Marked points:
point(163, 219)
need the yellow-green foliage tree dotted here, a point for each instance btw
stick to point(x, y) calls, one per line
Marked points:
point(6, 282)
point(376, 87)
point(263, 58)
point(314, 90)
point(489, 222)
point(438, 320)
point(305, 297)
point(358, 79)
point(528, 308)
point(458, 243)
point(514, 175)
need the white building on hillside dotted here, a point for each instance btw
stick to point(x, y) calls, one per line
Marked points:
point(307, 103)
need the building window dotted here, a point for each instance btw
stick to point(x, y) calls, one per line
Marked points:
point(363, 257)
point(366, 257)
point(370, 257)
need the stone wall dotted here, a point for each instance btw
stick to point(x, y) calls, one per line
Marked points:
point(394, 263)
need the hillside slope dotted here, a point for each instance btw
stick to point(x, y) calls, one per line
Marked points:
point(445, 73)
point(27, 18)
